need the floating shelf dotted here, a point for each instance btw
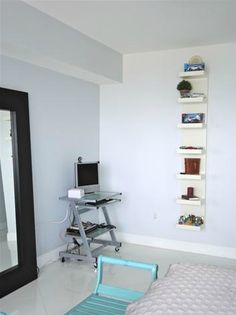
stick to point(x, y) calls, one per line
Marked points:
point(192, 74)
point(181, 201)
point(191, 126)
point(188, 176)
point(190, 151)
point(190, 227)
point(188, 100)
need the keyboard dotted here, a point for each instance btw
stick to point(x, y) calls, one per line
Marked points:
point(99, 202)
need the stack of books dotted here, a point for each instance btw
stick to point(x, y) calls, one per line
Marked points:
point(88, 227)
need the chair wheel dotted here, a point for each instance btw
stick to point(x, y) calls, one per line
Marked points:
point(63, 259)
point(117, 249)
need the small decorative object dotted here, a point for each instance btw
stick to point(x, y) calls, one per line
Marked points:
point(195, 59)
point(190, 195)
point(184, 87)
point(190, 191)
point(191, 219)
point(190, 118)
point(198, 221)
point(182, 219)
point(192, 166)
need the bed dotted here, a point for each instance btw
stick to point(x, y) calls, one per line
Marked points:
point(190, 290)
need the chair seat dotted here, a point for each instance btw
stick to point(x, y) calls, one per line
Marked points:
point(99, 305)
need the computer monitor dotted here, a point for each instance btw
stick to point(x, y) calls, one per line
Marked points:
point(86, 176)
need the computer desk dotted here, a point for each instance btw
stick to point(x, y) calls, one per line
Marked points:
point(87, 203)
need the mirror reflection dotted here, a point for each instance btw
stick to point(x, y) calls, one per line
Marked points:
point(8, 236)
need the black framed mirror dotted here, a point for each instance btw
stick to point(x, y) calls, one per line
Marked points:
point(17, 229)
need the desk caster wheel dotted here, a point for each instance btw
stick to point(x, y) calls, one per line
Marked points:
point(63, 259)
point(95, 267)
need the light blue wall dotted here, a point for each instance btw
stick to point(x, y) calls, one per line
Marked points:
point(64, 123)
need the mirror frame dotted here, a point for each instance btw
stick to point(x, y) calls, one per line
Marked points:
point(26, 270)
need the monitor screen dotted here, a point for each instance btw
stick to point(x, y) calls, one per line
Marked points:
point(86, 176)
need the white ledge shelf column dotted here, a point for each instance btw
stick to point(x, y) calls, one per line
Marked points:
point(193, 135)
point(189, 176)
point(191, 126)
point(190, 151)
point(190, 227)
point(181, 201)
point(188, 100)
point(193, 74)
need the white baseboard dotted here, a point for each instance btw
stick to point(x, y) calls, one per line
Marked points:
point(49, 257)
point(197, 248)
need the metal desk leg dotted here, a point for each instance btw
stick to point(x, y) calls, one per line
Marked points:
point(82, 233)
point(112, 233)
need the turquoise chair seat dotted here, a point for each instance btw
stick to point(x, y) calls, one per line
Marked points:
point(99, 305)
point(108, 300)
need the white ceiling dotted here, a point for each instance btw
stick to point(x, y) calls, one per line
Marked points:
point(138, 26)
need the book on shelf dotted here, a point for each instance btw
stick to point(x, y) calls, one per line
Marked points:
point(186, 197)
point(189, 147)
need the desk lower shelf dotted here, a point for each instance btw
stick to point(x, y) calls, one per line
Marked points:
point(93, 234)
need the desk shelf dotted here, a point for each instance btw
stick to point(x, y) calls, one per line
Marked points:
point(79, 207)
point(93, 234)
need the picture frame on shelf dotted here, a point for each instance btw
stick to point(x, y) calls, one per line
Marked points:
point(190, 118)
point(194, 67)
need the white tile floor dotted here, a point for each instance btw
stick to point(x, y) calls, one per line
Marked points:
point(60, 286)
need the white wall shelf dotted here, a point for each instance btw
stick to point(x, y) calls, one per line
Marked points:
point(188, 176)
point(192, 74)
point(190, 227)
point(193, 135)
point(181, 201)
point(190, 151)
point(191, 126)
point(191, 100)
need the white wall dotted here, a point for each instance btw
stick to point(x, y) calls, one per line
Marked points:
point(64, 124)
point(138, 141)
point(32, 36)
